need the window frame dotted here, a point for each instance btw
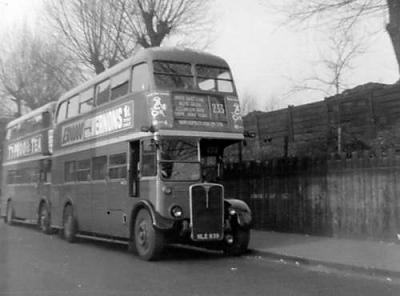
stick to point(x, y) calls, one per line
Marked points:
point(99, 174)
point(147, 78)
point(118, 166)
point(96, 95)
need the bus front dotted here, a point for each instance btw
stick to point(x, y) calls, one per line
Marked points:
point(194, 114)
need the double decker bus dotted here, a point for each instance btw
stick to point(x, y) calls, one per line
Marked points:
point(26, 171)
point(138, 154)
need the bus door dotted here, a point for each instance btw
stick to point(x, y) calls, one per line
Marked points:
point(118, 190)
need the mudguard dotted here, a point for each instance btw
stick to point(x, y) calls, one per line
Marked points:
point(243, 212)
point(159, 222)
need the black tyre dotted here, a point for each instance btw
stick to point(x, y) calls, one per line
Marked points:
point(10, 214)
point(70, 226)
point(44, 219)
point(149, 242)
point(241, 239)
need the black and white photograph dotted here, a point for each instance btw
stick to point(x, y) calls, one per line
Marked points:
point(199, 147)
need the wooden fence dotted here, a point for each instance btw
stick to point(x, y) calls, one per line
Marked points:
point(365, 118)
point(346, 197)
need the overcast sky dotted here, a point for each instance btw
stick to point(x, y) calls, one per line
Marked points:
point(265, 57)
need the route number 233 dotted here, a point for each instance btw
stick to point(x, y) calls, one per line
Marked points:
point(218, 108)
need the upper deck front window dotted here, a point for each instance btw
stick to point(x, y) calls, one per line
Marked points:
point(212, 78)
point(173, 75)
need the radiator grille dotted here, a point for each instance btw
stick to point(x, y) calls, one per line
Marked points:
point(206, 211)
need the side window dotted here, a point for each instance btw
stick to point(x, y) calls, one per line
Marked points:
point(117, 166)
point(119, 85)
point(103, 92)
point(148, 159)
point(83, 170)
point(99, 165)
point(62, 111)
point(86, 101)
point(140, 78)
point(69, 171)
point(73, 107)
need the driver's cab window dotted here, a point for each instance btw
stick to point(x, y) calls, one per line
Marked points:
point(211, 162)
point(149, 167)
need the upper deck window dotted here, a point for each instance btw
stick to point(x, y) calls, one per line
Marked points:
point(140, 78)
point(86, 101)
point(26, 127)
point(73, 107)
point(119, 85)
point(173, 75)
point(103, 92)
point(214, 78)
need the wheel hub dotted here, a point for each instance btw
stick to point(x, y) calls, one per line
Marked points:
point(142, 235)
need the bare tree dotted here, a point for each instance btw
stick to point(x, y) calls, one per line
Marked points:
point(93, 30)
point(102, 33)
point(33, 71)
point(150, 22)
point(334, 65)
point(346, 14)
point(248, 102)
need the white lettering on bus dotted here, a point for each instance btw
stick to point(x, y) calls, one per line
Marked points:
point(101, 124)
point(25, 147)
point(108, 122)
point(72, 133)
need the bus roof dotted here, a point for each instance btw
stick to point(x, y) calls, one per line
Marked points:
point(150, 54)
point(47, 107)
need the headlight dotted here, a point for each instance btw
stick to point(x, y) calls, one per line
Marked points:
point(167, 190)
point(232, 211)
point(176, 212)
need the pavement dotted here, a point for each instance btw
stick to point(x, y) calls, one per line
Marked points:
point(375, 258)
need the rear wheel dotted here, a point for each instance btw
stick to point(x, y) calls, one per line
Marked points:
point(44, 219)
point(9, 219)
point(241, 239)
point(149, 242)
point(70, 226)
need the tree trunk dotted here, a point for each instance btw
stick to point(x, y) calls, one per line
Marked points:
point(393, 27)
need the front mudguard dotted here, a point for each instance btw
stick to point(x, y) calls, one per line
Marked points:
point(159, 222)
point(242, 212)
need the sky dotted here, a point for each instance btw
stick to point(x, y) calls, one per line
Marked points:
point(266, 58)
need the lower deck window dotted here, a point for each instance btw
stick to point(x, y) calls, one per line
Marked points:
point(117, 166)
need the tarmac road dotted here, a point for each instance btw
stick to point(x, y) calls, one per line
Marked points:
point(32, 263)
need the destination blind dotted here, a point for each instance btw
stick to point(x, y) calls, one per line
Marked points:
point(206, 108)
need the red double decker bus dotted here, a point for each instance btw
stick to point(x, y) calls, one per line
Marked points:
point(138, 155)
point(27, 168)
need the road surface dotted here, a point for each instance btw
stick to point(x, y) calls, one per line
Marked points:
point(32, 263)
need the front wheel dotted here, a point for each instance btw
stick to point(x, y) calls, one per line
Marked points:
point(241, 239)
point(70, 226)
point(44, 219)
point(9, 219)
point(149, 242)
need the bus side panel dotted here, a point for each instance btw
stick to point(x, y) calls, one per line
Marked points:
point(149, 192)
point(25, 201)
